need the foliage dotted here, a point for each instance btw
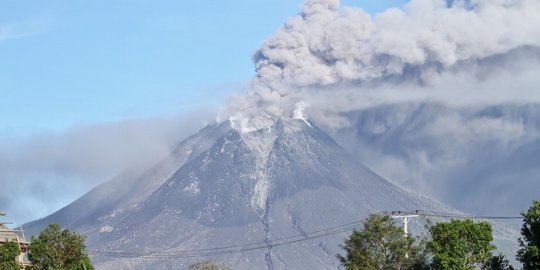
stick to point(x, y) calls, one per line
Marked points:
point(209, 265)
point(86, 264)
point(379, 245)
point(9, 251)
point(460, 244)
point(57, 249)
point(529, 254)
point(422, 260)
point(498, 262)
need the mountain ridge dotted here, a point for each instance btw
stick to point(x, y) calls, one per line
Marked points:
point(226, 185)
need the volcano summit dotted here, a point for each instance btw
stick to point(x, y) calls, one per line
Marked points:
point(228, 187)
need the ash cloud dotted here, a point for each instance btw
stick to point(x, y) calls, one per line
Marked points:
point(326, 45)
point(42, 172)
point(462, 156)
point(327, 49)
point(407, 90)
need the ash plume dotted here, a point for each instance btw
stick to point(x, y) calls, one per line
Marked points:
point(427, 46)
point(420, 93)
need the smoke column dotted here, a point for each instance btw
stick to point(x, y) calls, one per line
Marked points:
point(328, 48)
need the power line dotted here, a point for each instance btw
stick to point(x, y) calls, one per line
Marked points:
point(454, 215)
point(223, 252)
point(235, 248)
point(265, 242)
point(269, 243)
point(450, 215)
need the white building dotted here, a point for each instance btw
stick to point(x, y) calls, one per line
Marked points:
point(14, 235)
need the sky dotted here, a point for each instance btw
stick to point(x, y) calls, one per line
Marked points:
point(98, 69)
point(71, 63)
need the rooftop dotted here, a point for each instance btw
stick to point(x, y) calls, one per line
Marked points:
point(7, 234)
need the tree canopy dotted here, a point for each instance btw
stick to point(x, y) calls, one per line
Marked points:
point(57, 249)
point(498, 262)
point(453, 245)
point(460, 244)
point(529, 254)
point(379, 245)
point(9, 251)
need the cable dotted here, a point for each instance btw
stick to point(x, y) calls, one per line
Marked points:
point(270, 243)
point(213, 253)
point(453, 215)
point(189, 255)
point(257, 243)
point(262, 242)
point(232, 249)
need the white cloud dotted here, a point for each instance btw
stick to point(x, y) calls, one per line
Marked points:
point(14, 30)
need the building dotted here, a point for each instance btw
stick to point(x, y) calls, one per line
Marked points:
point(15, 235)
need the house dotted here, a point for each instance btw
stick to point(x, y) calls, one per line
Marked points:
point(7, 234)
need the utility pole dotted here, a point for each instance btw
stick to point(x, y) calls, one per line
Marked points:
point(405, 218)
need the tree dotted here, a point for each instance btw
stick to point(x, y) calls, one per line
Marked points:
point(57, 249)
point(498, 262)
point(9, 251)
point(209, 265)
point(460, 244)
point(529, 254)
point(379, 245)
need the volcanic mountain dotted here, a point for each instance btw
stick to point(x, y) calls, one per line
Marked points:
point(227, 186)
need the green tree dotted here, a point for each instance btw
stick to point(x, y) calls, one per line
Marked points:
point(529, 254)
point(498, 262)
point(379, 245)
point(422, 259)
point(9, 251)
point(57, 249)
point(209, 265)
point(460, 244)
point(86, 264)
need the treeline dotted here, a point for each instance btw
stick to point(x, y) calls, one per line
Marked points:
point(53, 249)
point(379, 245)
point(453, 245)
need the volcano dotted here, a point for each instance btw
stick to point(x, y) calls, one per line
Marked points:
point(227, 186)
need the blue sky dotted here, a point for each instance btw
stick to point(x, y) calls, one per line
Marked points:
point(72, 71)
point(71, 63)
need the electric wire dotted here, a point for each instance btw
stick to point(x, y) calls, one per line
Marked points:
point(454, 215)
point(262, 242)
point(189, 255)
point(270, 243)
point(233, 249)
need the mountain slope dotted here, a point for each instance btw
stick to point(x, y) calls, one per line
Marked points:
point(285, 178)
point(124, 192)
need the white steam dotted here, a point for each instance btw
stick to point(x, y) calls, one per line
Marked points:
point(299, 113)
